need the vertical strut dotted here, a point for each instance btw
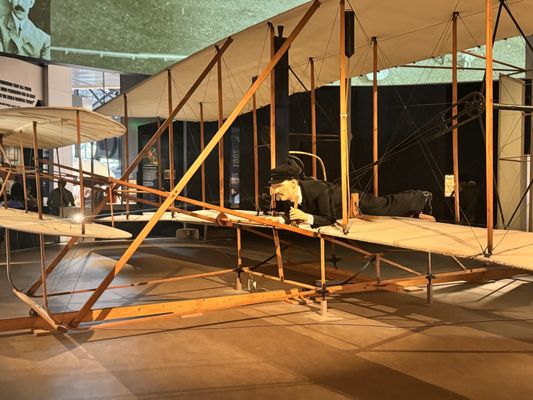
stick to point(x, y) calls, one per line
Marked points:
point(256, 155)
point(202, 145)
point(429, 277)
point(126, 149)
point(24, 181)
point(238, 283)
point(221, 143)
point(343, 121)
point(313, 116)
point(375, 114)
point(455, 138)
point(170, 130)
point(489, 176)
point(272, 101)
point(279, 258)
point(80, 165)
point(323, 302)
point(37, 172)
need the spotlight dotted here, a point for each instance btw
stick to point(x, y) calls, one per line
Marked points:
point(78, 218)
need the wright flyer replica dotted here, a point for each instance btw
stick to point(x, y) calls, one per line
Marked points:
point(322, 42)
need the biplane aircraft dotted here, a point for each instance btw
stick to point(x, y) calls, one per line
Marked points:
point(324, 43)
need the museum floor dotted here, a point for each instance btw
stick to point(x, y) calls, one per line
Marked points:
point(474, 341)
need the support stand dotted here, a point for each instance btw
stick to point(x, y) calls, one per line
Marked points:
point(429, 277)
point(323, 301)
point(238, 282)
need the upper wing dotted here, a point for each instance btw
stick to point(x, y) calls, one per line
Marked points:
point(407, 31)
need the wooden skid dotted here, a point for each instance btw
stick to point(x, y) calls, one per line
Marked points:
point(177, 308)
point(43, 314)
point(398, 285)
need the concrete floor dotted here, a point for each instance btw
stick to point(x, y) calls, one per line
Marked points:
point(474, 341)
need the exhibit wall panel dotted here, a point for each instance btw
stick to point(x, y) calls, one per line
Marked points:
point(21, 83)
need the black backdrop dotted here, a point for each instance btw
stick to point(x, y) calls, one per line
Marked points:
point(402, 109)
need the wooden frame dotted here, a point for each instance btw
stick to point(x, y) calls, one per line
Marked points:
point(88, 315)
point(79, 317)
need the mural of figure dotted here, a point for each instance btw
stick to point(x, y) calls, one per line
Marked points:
point(19, 35)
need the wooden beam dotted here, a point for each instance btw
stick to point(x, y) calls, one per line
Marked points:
point(194, 167)
point(489, 173)
point(256, 150)
point(3, 155)
point(3, 189)
point(80, 165)
point(472, 275)
point(221, 142)
point(24, 180)
point(37, 172)
point(313, 117)
point(512, 71)
point(126, 146)
point(126, 134)
point(159, 160)
point(42, 261)
point(455, 137)
point(110, 196)
point(170, 130)
point(375, 153)
point(322, 263)
point(92, 181)
point(176, 308)
point(279, 258)
point(344, 151)
point(377, 267)
point(202, 146)
point(272, 100)
point(239, 247)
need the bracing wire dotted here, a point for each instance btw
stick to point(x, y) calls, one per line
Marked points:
point(327, 44)
point(262, 51)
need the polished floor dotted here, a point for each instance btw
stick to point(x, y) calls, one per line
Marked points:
point(475, 341)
